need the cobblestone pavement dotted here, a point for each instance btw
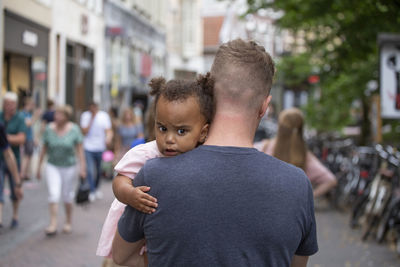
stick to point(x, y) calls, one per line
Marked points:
point(28, 245)
point(339, 245)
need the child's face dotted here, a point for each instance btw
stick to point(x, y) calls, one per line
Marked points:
point(180, 126)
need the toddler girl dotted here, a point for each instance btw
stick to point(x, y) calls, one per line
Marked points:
point(183, 111)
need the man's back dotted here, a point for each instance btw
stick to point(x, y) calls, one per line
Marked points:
point(225, 206)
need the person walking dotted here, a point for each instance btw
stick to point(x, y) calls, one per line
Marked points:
point(62, 142)
point(128, 131)
point(225, 203)
point(97, 131)
point(11, 163)
point(15, 127)
point(30, 118)
point(289, 146)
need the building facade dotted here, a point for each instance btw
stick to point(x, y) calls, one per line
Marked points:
point(135, 45)
point(54, 49)
point(185, 39)
point(76, 67)
point(25, 44)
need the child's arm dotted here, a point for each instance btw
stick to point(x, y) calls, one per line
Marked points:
point(135, 197)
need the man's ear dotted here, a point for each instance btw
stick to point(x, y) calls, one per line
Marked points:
point(204, 133)
point(264, 107)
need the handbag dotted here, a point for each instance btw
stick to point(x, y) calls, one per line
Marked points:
point(82, 194)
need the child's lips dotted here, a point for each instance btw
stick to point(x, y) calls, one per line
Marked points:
point(170, 152)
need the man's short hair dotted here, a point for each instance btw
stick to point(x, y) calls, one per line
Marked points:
point(242, 69)
point(11, 96)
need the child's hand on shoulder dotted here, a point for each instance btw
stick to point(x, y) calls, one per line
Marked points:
point(142, 201)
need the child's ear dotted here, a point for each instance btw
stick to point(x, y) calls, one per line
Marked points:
point(204, 132)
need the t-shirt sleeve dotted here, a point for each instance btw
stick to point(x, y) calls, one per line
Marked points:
point(21, 124)
point(135, 158)
point(85, 119)
point(309, 243)
point(79, 136)
point(131, 223)
point(3, 138)
point(316, 171)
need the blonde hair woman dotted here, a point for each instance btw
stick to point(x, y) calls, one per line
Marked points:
point(62, 142)
point(128, 130)
point(290, 147)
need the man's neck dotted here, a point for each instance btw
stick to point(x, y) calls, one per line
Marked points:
point(231, 130)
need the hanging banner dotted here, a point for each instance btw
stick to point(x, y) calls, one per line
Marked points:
point(390, 75)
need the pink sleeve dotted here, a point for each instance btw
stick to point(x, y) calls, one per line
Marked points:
point(316, 171)
point(135, 158)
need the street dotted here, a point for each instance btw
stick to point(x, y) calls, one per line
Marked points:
point(28, 246)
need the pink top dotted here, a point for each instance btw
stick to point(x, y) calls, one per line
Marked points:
point(129, 165)
point(315, 170)
point(134, 159)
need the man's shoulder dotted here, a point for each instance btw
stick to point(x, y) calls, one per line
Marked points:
point(19, 115)
point(103, 114)
point(85, 113)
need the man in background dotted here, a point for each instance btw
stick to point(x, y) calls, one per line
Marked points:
point(15, 129)
point(97, 130)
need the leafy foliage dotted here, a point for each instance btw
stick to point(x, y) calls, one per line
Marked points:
point(341, 43)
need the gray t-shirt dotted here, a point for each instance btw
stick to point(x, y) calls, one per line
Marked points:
point(223, 206)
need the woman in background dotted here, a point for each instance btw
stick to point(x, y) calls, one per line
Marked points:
point(128, 130)
point(62, 142)
point(290, 147)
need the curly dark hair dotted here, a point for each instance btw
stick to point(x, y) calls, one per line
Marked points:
point(202, 88)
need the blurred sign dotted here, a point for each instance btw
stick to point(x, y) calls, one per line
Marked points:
point(30, 38)
point(390, 75)
point(313, 79)
point(114, 31)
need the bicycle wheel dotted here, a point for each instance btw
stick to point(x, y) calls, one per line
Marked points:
point(358, 210)
point(383, 226)
point(368, 226)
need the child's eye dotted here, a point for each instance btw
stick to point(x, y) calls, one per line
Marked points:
point(181, 131)
point(162, 128)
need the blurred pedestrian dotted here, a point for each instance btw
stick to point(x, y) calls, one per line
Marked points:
point(48, 114)
point(128, 130)
point(14, 123)
point(138, 108)
point(11, 163)
point(62, 142)
point(97, 131)
point(30, 116)
point(149, 130)
point(290, 147)
point(113, 114)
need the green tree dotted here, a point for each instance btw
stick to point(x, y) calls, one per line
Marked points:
point(341, 43)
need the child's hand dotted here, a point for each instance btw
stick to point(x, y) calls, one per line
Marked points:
point(142, 201)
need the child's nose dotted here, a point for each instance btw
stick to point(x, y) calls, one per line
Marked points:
point(170, 138)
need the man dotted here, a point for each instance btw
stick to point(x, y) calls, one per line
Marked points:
point(11, 162)
point(96, 127)
point(225, 203)
point(15, 128)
